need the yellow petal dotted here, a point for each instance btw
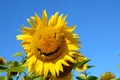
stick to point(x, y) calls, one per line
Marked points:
point(52, 70)
point(59, 65)
point(34, 20)
point(39, 67)
point(71, 29)
point(69, 58)
point(27, 30)
point(73, 47)
point(29, 65)
point(24, 43)
point(53, 20)
point(64, 18)
point(57, 70)
point(60, 17)
point(44, 18)
point(27, 47)
point(64, 63)
point(31, 61)
point(31, 23)
point(70, 37)
point(39, 22)
point(30, 68)
point(29, 54)
point(24, 37)
point(46, 69)
point(76, 36)
point(73, 53)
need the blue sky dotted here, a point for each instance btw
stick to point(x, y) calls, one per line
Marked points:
point(98, 25)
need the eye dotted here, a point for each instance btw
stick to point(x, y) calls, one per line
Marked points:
point(39, 37)
point(55, 35)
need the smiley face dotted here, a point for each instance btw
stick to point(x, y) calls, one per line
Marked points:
point(49, 44)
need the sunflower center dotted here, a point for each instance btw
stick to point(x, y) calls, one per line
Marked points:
point(51, 55)
point(48, 43)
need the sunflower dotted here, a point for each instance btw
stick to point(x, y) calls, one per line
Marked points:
point(49, 44)
point(2, 61)
point(80, 58)
point(107, 76)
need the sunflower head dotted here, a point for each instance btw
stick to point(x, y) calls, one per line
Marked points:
point(80, 58)
point(49, 44)
point(107, 76)
point(2, 61)
point(49, 40)
point(46, 42)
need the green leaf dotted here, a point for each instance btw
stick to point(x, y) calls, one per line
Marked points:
point(79, 78)
point(33, 76)
point(90, 67)
point(119, 66)
point(16, 63)
point(3, 67)
point(10, 78)
point(117, 79)
point(41, 78)
point(27, 78)
point(15, 69)
point(23, 60)
point(2, 78)
point(81, 63)
point(37, 78)
point(17, 54)
point(9, 62)
point(92, 78)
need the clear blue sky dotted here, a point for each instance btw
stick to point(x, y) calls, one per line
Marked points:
point(98, 25)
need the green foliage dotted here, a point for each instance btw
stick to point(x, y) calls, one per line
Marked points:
point(23, 60)
point(81, 63)
point(79, 78)
point(119, 66)
point(3, 67)
point(90, 66)
point(39, 78)
point(12, 68)
point(9, 62)
point(92, 78)
point(32, 76)
point(18, 54)
point(16, 63)
point(118, 79)
point(15, 69)
point(88, 78)
point(18, 69)
point(2, 77)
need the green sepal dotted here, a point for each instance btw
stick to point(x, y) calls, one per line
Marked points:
point(80, 63)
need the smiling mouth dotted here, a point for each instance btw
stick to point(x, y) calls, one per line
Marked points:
point(48, 54)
